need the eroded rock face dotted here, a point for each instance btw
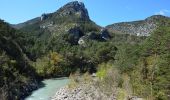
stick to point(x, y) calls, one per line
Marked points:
point(73, 35)
point(43, 17)
point(139, 28)
point(74, 8)
point(105, 34)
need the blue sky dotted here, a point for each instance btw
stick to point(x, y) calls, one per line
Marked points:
point(103, 12)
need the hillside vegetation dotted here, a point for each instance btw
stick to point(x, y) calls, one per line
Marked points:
point(147, 64)
point(17, 76)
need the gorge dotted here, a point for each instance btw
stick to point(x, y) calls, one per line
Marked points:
point(118, 62)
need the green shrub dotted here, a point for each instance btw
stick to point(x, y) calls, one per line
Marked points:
point(49, 65)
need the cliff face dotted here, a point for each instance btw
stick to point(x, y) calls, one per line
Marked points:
point(74, 8)
point(139, 28)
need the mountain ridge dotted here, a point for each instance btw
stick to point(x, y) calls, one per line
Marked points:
point(75, 7)
point(75, 12)
point(140, 27)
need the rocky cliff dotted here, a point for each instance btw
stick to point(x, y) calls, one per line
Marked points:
point(139, 28)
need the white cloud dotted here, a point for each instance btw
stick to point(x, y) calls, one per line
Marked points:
point(162, 12)
point(166, 10)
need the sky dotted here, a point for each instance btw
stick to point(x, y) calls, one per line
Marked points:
point(103, 12)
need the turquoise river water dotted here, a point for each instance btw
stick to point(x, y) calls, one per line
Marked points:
point(49, 89)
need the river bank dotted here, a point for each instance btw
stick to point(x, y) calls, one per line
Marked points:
point(48, 88)
point(85, 87)
point(82, 92)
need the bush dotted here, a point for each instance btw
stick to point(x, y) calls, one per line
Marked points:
point(49, 65)
point(109, 78)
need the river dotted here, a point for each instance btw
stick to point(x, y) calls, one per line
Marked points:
point(49, 88)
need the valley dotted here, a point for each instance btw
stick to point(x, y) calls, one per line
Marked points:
point(122, 61)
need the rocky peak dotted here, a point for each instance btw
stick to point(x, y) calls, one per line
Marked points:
point(156, 17)
point(74, 8)
point(73, 11)
point(43, 17)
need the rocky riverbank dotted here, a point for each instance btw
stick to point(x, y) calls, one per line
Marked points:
point(87, 92)
point(28, 88)
point(18, 91)
point(82, 92)
point(48, 88)
point(92, 88)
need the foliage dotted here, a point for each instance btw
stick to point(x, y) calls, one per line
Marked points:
point(15, 70)
point(102, 70)
point(147, 64)
point(109, 78)
point(74, 80)
point(49, 65)
point(121, 95)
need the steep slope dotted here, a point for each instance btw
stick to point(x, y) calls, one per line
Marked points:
point(56, 30)
point(17, 77)
point(139, 28)
point(74, 9)
point(147, 64)
point(73, 14)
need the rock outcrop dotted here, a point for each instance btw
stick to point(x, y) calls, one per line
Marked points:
point(74, 8)
point(43, 17)
point(105, 34)
point(139, 28)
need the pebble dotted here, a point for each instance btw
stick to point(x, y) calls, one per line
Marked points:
point(81, 92)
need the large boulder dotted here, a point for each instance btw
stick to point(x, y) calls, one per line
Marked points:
point(105, 34)
point(74, 35)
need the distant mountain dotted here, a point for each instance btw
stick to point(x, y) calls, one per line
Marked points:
point(73, 14)
point(66, 26)
point(139, 28)
point(75, 10)
point(71, 25)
